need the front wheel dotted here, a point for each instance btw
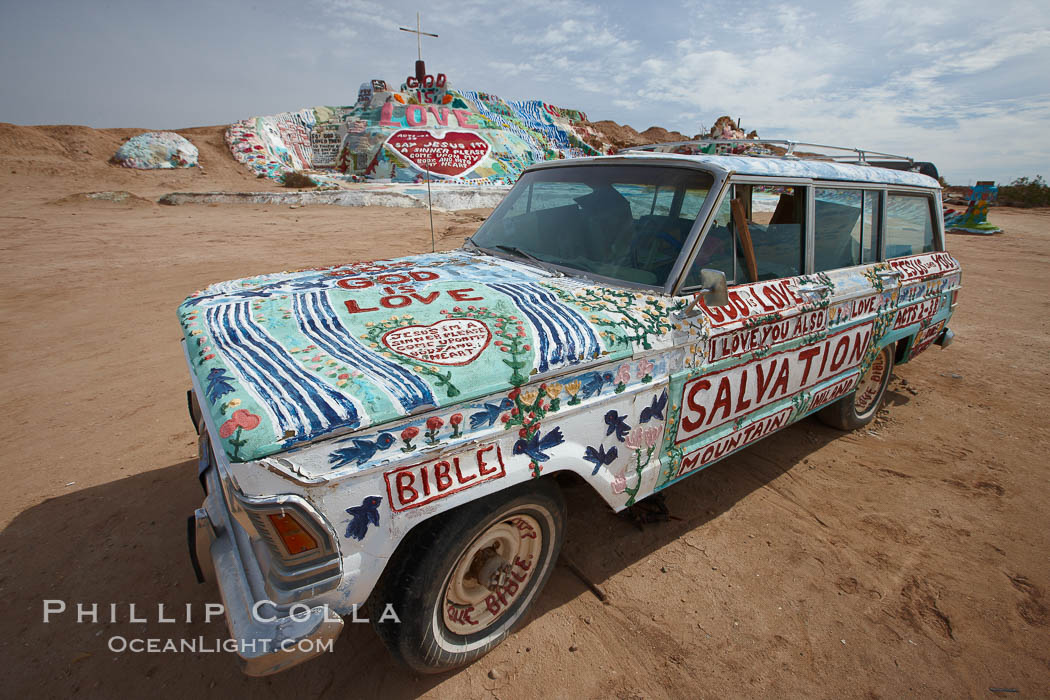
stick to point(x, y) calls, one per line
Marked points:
point(859, 408)
point(461, 583)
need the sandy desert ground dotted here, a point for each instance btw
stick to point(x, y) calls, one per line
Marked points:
point(910, 559)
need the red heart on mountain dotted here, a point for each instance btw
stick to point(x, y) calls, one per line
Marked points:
point(450, 153)
point(451, 341)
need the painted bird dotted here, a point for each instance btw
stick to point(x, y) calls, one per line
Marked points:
point(534, 447)
point(362, 515)
point(490, 413)
point(361, 452)
point(617, 424)
point(593, 382)
point(656, 410)
point(600, 457)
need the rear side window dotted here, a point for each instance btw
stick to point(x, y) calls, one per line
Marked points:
point(909, 225)
point(845, 228)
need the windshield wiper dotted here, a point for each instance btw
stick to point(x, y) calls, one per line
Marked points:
point(515, 250)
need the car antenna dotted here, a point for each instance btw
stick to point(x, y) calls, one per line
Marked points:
point(430, 206)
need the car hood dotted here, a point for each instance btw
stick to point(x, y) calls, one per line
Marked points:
point(289, 358)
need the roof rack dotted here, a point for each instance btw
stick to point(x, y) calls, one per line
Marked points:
point(858, 156)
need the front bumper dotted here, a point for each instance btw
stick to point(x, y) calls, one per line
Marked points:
point(267, 641)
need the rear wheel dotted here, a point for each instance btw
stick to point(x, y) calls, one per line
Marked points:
point(460, 585)
point(859, 408)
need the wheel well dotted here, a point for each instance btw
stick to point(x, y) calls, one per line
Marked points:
point(564, 480)
point(900, 353)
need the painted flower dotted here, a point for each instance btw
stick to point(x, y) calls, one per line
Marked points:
point(652, 436)
point(634, 438)
point(455, 418)
point(241, 419)
point(409, 433)
point(434, 423)
point(552, 390)
point(645, 369)
point(529, 397)
point(514, 393)
point(619, 483)
point(573, 387)
point(623, 374)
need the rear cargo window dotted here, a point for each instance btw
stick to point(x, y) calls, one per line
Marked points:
point(909, 225)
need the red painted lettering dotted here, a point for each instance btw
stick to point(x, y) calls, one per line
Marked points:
point(441, 476)
point(765, 376)
point(415, 116)
point(837, 360)
point(782, 379)
point(807, 356)
point(395, 301)
point(405, 493)
point(741, 404)
point(688, 423)
point(480, 456)
point(353, 308)
point(723, 400)
point(459, 475)
point(461, 294)
point(355, 283)
point(463, 117)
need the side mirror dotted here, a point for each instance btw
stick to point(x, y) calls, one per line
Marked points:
point(712, 290)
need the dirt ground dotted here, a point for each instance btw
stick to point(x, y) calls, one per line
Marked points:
point(910, 559)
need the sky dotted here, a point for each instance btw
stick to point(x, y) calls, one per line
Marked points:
point(963, 84)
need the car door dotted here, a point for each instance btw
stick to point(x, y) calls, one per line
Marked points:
point(750, 364)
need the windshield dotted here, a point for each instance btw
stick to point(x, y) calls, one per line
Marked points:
point(626, 222)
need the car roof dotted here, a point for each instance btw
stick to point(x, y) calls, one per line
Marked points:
point(779, 167)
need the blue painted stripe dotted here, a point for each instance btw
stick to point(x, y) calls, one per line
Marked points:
point(300, 401)
point(319, 323)
point(254, 381)
point(563, 335)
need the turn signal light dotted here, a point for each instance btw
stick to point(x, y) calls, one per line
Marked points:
point(295, 537)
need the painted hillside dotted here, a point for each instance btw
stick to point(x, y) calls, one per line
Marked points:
point(399, 135)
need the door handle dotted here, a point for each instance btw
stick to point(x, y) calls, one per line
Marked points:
point(815, 288)
point(896, 274)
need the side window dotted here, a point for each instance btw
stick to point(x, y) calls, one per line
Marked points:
point(845, 228)
point(777, 230)
point(771, 218)
point(719, 249)
point(909, 225)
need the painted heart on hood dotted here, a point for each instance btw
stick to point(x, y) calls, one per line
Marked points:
point(450, 153)
point(451, 341)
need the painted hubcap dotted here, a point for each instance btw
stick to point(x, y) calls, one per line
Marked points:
point(870, 386)
point(491, 574)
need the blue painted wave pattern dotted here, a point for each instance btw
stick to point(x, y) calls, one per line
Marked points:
point(535, 116)
point(299, 404)
point(563, 335)
point(318, 322)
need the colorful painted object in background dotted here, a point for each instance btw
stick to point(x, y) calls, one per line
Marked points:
point(400, 136)
point(975, 218)
point(156, 149)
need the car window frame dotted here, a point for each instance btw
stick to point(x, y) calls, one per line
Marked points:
point(719, 177)
point(884, 190)
point(933, 201)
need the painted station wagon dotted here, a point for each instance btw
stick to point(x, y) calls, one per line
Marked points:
point(388, 432)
